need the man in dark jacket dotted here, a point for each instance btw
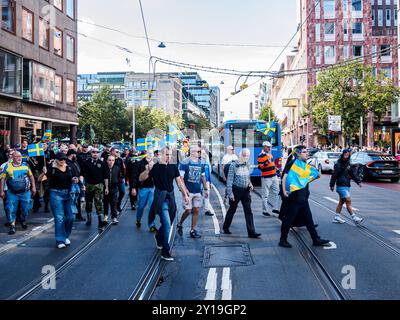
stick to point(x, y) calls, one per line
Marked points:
point(111, 199)
point(163, 174)
point(341, 177)
point(119, 162)
point(145, 190)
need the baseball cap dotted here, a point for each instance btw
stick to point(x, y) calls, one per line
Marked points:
point(71, 151)
point(61, 156)
point(267, 144)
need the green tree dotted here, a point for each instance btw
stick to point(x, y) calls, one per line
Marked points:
point(105, 115)
point(266, 112)
point(350, 91)
point(147, 119)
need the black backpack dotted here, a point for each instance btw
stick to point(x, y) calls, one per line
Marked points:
point(19, 185)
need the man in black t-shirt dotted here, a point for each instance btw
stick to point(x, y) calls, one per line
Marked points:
point(163, 174)
point(121, 184)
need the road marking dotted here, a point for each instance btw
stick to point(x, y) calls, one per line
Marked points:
point(336, 201)
point(221, 202)
point(215, 220)
point(397, 231)
point(333, 246)
point(37, 228)
point(211, 285)
point(226, 285)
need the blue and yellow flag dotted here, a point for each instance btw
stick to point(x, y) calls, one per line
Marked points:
point(300, 175)
point(158, 143)
point(174, 134)
point(35, 150)
point(48, 136)
point(268, 129)
point(144, 144)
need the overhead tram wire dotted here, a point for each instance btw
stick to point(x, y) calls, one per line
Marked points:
point(287, 45)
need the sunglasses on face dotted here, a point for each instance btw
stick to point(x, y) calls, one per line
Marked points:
point(95, 152)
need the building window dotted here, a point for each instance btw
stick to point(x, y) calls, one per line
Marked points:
point(373, 17)
point(10, 74)
point(43, 79)
point(317, 9)
point(329, 54)
point(58, 42)
point(27, 25)
point(8, 15)
point(59, 88)
point(380, 18)
point(345, 7)
point(387, 71)
point(357, 51)
point(329, 8)
point(71, 8)
point(356, 5)
point(70, 92)
point(345, 28)
point(388, 17)
point(58, 4)
point(388, 2)
point(70, 48)
point(385, 50)
point(345, 52)
point(374, 71)
point(357, 28)
point(329, 28)
point(317, 54)
point(395, 16)
point(317, 32)
point(44, 34)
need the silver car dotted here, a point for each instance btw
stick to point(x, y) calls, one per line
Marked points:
point(324, 160)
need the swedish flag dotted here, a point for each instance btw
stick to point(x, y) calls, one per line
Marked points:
point(300, 175)
point(144, 144)
point(268, 129)
point(35, 150)
point(158, 143)
point(47, 135)
point(174, 134)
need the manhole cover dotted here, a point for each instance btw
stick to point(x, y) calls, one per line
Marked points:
point(233, 255)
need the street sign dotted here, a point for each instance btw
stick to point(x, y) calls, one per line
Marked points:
point(290, 103)
point(335, 123)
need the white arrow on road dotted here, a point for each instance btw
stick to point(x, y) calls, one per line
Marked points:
point(397, 231)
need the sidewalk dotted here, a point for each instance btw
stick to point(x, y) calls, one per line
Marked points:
point(37, 223)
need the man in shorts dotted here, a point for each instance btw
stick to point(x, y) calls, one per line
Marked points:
point(193, 173)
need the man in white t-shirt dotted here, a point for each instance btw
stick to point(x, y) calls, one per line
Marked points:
point(226, 162)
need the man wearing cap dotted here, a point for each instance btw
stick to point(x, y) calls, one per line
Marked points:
point(269, 180)
point(121, 183)
point(95, 172)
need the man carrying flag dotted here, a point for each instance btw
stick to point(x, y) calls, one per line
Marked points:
point(295, 211)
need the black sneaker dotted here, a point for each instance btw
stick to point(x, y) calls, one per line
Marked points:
point(179, 229)
point(12, 230)
point(167, 257)
point(80, 218)
point(158, 244)
point(24, 225)
point(255, 235)
point(276, 211)
point(89, 220)
point(138, 224)
point(266, 214)
point(119, 209)
point(208, 213)
point(194, 234)
point(321, 243)
point(226, 231)
point(285, 244)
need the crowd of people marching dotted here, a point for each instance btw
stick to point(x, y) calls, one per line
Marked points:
point(66, 177)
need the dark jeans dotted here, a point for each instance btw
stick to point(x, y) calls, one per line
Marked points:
point(121, 192)
point(293, 210)
point(241, 195)
point(111, 201)
point(163, 232)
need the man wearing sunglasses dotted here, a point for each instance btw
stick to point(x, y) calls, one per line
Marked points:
point(95, 172)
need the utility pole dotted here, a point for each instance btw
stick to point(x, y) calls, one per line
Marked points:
point(361, 131)
point(133, 126)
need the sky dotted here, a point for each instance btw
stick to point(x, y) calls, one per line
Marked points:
point(261, 22)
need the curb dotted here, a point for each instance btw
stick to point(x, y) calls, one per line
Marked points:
point(31, 234)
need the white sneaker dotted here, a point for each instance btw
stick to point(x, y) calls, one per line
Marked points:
point(357, 219)
point(61, 246)
point(67, 242)
point(338, 219)
point(115, 221)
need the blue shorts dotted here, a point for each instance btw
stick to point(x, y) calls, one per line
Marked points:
point(344, 192)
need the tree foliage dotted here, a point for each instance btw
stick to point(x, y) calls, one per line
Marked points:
point(351, 91)
point(266, 112)
point(105, 115)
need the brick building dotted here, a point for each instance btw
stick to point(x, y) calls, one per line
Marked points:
point(337, 30)
point(38, 68)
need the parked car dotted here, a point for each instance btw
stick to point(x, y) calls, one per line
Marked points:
point(312, 151)
point(375, 165)
point(324, 160)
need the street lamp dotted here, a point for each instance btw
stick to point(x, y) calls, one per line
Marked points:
point(162, 45)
